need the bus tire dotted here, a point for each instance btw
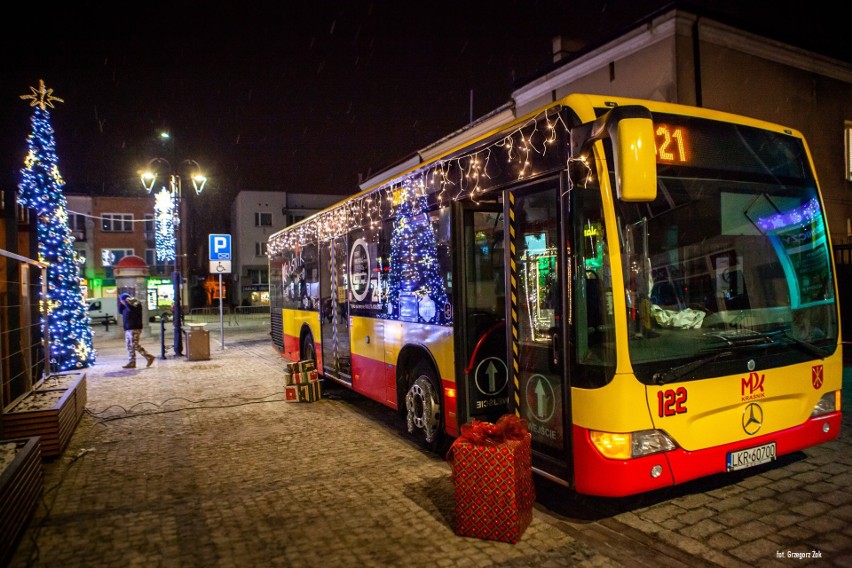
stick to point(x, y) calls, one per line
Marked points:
point(424, 407)
point(308, 351)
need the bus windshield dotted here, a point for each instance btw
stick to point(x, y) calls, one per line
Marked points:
point(731, 261)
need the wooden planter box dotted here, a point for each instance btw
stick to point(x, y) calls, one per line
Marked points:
point(21, 487)
point(63, 381)
point(51, 412)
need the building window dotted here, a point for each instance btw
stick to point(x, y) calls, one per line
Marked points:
point(848, 137)
point(260, 249)
point(110, 256)
point(257, 276)
point(155, 267)
point(80, 251)
point(77, 224)
point(263, 219)
point(149, 228)
point(293, 219)
point(117, 222)
point(76, 221)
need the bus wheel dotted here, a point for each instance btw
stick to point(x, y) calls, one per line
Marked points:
point(423, 407)
point(309, 352)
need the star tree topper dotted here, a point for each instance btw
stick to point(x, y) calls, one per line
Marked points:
point(43, 97)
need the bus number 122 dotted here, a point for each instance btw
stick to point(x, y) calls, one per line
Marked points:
point(671, 402)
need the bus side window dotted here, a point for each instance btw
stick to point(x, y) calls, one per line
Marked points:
point(595, 344)
point(593, 306)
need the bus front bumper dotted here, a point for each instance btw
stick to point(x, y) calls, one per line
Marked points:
point(596, 475)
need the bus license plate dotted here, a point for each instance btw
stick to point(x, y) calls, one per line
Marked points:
point(751, 457)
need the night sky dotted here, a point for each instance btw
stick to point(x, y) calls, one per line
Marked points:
point(304, 98)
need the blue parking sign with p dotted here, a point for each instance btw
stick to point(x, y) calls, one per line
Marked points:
point(220, 247)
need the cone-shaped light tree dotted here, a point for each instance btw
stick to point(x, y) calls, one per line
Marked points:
point(69, 336)
point(416, 288)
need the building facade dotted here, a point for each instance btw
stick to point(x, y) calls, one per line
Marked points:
point(681, 57)
point(254, 217)
point(21, 350)
point(107, 229)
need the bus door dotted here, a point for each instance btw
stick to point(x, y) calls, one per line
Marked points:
point(334, 315)
point(481, 331)
point(536, 278)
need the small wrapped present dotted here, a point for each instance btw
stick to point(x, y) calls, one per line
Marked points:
point(300, 366)
point(291, 393)
point(309, 392)
point(492, 476)
point(300, 373)
point(305, 377)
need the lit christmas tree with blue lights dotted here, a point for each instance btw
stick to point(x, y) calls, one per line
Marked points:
point(70, 338)
point(415, 287)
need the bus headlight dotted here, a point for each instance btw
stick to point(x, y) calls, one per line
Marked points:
point(618, 446)
point(830, 402)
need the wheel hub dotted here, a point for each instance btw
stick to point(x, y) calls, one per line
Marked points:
point(423, 411)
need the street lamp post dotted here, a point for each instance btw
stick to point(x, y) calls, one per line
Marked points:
point(168, 216)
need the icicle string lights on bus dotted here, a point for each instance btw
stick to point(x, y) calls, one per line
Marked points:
point(462, 177)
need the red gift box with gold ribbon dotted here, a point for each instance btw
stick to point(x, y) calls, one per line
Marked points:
point(492, 475)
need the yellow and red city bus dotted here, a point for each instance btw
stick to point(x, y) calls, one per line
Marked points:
point(648, 285)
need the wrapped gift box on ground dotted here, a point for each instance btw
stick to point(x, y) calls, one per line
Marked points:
point(291, 393)
point(300, 378)
point(307, 392)
point(300, 366)
point(492, 475)
point(300, 373)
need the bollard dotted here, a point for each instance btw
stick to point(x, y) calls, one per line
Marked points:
point(106, 323)
point(162, 338)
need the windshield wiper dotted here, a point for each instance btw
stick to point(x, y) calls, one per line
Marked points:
point(809, 348)
point(769, 337)
point(742, 337)
point(680, 371)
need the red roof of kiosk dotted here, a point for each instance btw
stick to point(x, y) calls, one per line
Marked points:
point(131, 261)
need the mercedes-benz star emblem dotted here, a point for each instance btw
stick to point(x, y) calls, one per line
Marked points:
point(752, 418)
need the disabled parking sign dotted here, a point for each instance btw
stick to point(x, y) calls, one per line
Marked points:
point(220, 247)
point(220, 254)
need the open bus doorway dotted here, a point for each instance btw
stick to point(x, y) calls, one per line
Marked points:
point(481, 332)
point(334, 310)
point(538, 336)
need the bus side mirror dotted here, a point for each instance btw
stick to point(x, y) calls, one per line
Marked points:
point(631, 130)
point(635, 159)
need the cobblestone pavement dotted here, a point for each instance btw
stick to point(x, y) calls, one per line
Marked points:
point(202, 463)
